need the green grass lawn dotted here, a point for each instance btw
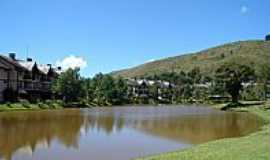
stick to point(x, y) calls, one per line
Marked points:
point(28, 106)
point(255, 146)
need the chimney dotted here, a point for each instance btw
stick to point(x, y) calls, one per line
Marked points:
point(29, 59)
point(49, 65)
point(12, 56)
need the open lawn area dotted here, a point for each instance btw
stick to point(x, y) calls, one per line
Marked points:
point(255, 146)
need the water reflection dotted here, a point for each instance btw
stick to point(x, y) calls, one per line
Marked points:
point(30, 131)
point(199, 129)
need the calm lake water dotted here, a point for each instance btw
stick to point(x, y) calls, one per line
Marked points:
point(118, 133)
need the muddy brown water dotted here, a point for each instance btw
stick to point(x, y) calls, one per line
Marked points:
point(117, 133)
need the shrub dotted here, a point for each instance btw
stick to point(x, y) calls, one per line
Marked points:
point(83, 103)
point(42, 106)
point(25, 103)
point(53, 106)
point(59, 102)
point(49, 102)
point(9, 105)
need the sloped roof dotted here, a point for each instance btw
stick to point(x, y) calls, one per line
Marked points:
point(58, 71)
point(28, 65)
point(4, 66)
point(44, 68)
point(12, 62)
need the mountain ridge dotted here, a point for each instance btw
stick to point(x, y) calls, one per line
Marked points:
point(250, 52)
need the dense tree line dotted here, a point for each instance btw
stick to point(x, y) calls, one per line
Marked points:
point(228, 80)
point(99, 90)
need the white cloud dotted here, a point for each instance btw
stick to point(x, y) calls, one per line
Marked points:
point(73, 62)
point(244, 9)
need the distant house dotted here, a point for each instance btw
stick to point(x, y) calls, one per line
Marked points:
point(143, 89)
point(138, 88)
point(25, 78)
point(164, 90)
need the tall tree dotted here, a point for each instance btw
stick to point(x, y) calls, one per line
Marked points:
point(195, 75)
point(106, 90)
point(69, 85)
point(264, 78)
point(121, 89)
point(232, 75)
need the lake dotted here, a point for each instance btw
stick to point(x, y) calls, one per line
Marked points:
point(116, 133)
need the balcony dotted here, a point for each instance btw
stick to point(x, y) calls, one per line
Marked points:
point(35, 85)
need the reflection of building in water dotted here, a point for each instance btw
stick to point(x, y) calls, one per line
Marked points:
point(42, 144)
point(28, 131)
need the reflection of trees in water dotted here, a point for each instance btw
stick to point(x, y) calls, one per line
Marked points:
point(191, 129)
point(199, 129)
point(31, 130)
point(108, 124)
point(38, 129)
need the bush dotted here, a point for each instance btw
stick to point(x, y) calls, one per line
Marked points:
point(253, 93)
point(49, 102)
point(83, 103)
point(9, 105)
point(53, 106)
point(25, 103)
point(60, 102)
point(42, 106)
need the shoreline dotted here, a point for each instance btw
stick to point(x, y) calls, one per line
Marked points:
point(253, 146)
point(240, 148)
point(52, 105)
point(19, 106)
point(12, 107)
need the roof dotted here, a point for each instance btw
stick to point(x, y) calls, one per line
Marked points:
point(28, 65)
point(149, 82)
point(58, 71)
point(44, 68)
point(4, 66)
point(12, 62)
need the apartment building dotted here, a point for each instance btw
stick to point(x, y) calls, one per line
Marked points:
point(144, 89)
point(25, 78)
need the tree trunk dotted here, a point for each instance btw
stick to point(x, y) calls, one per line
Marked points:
point(235, 98)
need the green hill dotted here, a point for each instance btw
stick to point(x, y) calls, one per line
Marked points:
point(253, 53)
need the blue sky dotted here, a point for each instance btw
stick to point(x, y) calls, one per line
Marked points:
point(115, 34)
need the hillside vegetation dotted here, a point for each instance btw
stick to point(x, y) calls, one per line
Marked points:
point(252, 53)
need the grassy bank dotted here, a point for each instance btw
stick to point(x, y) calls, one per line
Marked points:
point(29, 106)
point(253, 146)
